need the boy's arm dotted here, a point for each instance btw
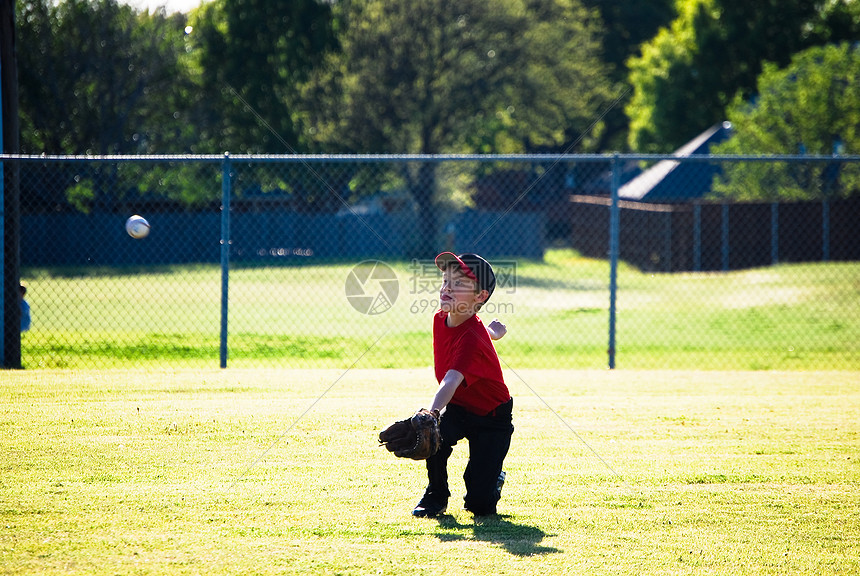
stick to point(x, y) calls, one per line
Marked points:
point(447, 387)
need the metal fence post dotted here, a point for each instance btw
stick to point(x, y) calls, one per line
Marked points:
point(225, 251)
point(697, 238)
point(614, 233)
point(774, 233)
point(724, 240)
point(825, 231)
point(667, 241)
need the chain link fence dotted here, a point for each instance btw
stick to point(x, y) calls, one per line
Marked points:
point(311, 262)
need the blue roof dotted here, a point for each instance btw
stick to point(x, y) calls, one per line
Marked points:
point(671, 181)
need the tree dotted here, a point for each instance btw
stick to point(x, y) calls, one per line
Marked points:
point(481, 77)
point(253, 55)
point(689, 73)
point(99, 78)
point(812, 105)
point(627, 25)
point(433, 77)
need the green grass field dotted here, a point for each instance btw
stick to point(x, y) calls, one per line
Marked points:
point(787, 317)
point(278, 472)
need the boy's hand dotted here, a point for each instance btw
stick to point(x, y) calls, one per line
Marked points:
point(496, 329)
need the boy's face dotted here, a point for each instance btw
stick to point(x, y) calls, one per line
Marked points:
point(459, 294)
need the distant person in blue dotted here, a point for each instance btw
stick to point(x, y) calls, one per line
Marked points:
point(25, 309)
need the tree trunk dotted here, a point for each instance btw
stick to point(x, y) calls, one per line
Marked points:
point(424, 192)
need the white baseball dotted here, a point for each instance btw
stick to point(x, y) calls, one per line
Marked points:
point(137, 227)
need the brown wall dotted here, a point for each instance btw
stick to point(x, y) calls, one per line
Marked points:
point(662, 237)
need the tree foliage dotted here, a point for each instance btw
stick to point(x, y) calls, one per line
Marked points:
point(433, 77)
point(690, 72)
point(430, 77)
point(811, 106)
point(253, 55)
point(96, 77)
point(272, 76)
point(626, 26)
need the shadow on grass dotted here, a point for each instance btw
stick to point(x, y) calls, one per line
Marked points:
point(517, 539)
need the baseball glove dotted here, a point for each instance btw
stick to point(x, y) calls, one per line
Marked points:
point(417, 437)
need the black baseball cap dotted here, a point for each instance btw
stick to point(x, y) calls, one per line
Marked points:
point(472, 266)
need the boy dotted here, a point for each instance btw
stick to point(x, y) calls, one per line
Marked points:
point(25, 308)
point(476, 402)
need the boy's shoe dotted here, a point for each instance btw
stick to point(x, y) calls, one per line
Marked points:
point(500, 481)
point(430, 507)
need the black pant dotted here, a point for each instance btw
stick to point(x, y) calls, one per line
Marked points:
point(489, 440)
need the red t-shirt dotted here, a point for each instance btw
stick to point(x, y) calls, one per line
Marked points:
point(468, 349)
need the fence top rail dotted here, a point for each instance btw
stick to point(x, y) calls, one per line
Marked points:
point(318, 158)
